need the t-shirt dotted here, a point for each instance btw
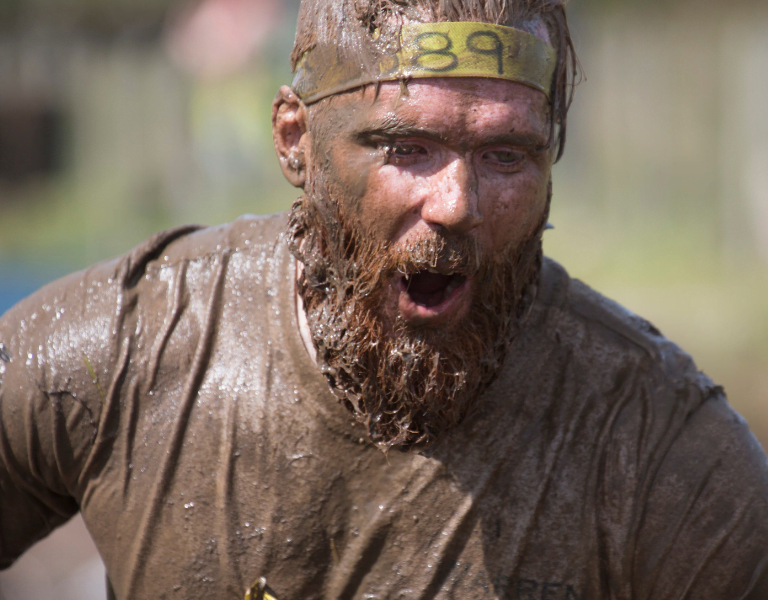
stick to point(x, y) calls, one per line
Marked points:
point(167, 395)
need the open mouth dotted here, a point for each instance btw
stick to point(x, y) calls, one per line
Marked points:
point(430, 288)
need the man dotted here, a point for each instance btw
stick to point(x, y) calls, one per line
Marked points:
point(389, 393)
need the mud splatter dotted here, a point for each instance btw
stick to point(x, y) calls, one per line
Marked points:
point(94, 377)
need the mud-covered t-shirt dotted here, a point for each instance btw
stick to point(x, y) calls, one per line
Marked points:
point(167, 395)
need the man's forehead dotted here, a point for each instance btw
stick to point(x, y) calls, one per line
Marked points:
point(442, 104)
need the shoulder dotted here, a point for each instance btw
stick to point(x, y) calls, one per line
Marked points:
point(185, 244)
point(622, 358)
point(572, 302)
point(73, 340)
point(190, 244)
point(95, 295)
point(645, 395)
point(684, 484)
point(608, 338)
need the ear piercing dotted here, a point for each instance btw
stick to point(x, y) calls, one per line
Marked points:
point(294, 161)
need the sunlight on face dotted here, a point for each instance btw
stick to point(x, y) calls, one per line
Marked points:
point(459, 156)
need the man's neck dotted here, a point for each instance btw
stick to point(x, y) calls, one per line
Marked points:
point(301, 317)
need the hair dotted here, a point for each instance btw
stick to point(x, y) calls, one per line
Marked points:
point(348, 25)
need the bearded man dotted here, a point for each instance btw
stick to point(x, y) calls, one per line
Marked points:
point(388, 393)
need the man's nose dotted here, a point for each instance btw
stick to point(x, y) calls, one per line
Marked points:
point(453, 198)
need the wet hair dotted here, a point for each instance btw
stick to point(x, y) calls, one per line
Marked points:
point(348, 25)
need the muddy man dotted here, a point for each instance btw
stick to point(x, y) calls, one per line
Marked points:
point(388, 392)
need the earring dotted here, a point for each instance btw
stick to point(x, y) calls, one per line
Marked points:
point(294, 161)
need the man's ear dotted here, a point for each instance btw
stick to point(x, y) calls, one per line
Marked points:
point(291, 136)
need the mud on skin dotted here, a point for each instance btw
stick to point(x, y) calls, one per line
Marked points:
point(412, 297)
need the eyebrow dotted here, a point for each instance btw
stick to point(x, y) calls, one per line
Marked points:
point(394, 126)
point(518, 139)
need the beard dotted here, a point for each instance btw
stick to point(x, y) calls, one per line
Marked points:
point(407, 384)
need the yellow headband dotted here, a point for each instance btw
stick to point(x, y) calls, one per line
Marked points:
point(434, 50)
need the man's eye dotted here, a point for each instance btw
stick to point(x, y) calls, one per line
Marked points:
point(504, 157)
point(404, 150)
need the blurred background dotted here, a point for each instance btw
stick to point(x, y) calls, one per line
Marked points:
point(121, 118)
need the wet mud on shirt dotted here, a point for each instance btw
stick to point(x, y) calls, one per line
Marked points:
point(167, 395)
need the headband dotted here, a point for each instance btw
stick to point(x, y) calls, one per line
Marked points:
point(456, 49)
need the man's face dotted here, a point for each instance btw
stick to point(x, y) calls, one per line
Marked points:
point(463, 157)
point(419, 236)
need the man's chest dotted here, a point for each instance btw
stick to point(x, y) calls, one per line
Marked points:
point(438, 536)
point(328, 517)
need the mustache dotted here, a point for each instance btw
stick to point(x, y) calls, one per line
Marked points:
point(435, 251)
point(440, 253)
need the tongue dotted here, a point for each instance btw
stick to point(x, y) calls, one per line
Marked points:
point(428, 288)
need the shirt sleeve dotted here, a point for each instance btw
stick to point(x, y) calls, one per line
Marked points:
point(55, 348)
point(704, 527)
point(64, 356)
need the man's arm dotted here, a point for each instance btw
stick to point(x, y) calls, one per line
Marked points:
point(54, 346)
point(66, 351)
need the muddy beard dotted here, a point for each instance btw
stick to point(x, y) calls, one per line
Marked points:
point(407, 384)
